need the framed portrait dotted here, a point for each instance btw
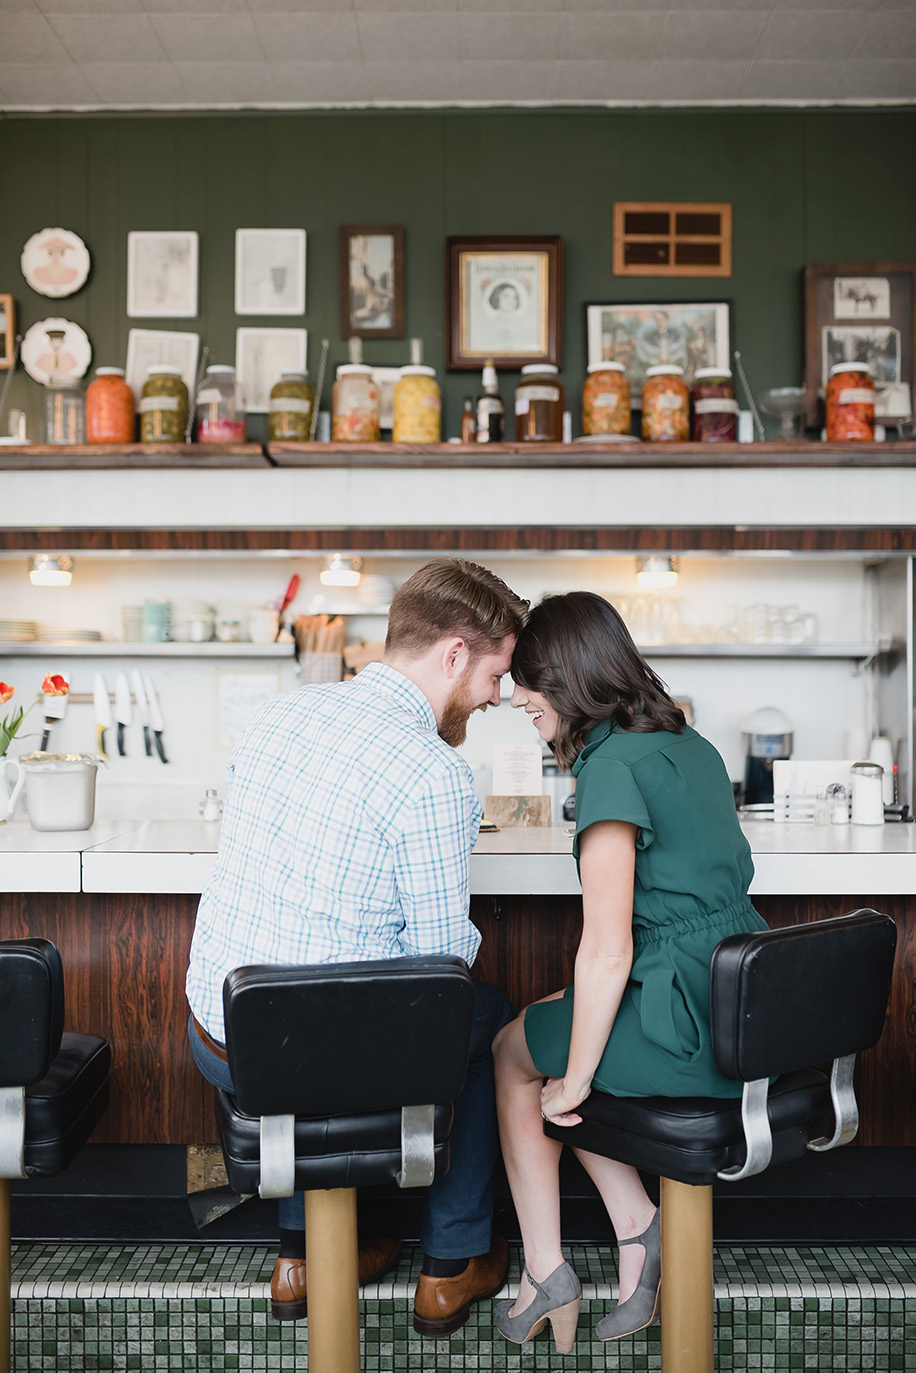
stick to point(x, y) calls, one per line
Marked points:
point(372, 283)
point(862, 312)
point(270, 271)
point(260, 356)
point(55, 262)
point(503, 301)
point(162, 274)
point(7, 332)
point(689, 334)
point(149, 347)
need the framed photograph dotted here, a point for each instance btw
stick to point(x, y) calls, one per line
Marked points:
point(162, 275)
point(270, 271)
point(260, 356)
point(690, 334)
point(149, 347)
point(372, 281)
point(503, 301)
point(861, 312)
point(7, 332)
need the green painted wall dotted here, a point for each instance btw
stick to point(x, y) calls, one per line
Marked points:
point(809, 185)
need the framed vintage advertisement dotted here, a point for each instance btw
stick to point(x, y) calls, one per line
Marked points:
point(690, 334)
point(372, 281)
point(7, 332)
point(270, 271)
point(861, 312)
point(503, 300)
point(162, 274)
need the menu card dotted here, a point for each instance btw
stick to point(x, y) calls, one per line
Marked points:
point(517, 770)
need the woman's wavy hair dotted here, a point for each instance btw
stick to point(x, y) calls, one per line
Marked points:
point(577, 652)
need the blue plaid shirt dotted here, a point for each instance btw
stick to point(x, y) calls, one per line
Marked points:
point(347, 832)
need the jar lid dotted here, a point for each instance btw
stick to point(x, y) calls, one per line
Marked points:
point(606, 367)
point(851, 367)
point(109, 371)
point(664, 369)
point(294, 376)
point(220, 367)
point(868, 769)
point(416, 369)
point(539, 369)
point(161, 369)
point(712, 372)
point(351, 369)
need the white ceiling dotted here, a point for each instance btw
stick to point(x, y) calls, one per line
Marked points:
point(155, 54)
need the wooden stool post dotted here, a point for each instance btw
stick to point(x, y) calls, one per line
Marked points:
point(332, 1278)
point(687, 1286)
point(5, 1276)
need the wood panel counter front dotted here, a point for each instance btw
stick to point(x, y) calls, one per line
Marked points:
point(120, 900)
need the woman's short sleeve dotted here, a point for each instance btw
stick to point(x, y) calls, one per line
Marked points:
point(607, 790)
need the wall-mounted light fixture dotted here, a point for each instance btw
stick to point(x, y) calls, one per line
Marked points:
point(341, 571)
point(48, 569)
point(655, 572)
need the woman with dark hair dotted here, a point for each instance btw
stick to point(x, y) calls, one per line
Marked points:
point(665, 872)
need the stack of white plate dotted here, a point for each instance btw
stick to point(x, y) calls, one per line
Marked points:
point(63, 634)
point(18, 631)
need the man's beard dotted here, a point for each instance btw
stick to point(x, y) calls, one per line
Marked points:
point(453, 727)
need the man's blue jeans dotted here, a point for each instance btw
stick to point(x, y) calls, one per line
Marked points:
point(458, 1207)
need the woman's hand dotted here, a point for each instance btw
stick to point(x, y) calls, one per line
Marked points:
point(558, 1102)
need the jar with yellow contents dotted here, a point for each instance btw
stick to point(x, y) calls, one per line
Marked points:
point(417, 406)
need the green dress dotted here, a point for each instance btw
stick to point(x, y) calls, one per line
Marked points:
point(693, 870)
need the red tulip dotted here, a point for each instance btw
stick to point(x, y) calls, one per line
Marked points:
point(6, 692)
point(55, 685)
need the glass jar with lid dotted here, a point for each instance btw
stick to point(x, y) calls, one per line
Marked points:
point(65, 415)
point(417, 406)
point(290, 415)
point(163, 406)
point(220, 408)
point(354, 405)
point(539, 404)
point(714, 405)
point(850, 403)
point(111, 411)
point(606, 399)
point(665, 405)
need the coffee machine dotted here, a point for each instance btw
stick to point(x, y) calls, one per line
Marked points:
point(767, 736)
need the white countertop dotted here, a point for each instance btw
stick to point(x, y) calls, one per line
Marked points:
point(137, 856)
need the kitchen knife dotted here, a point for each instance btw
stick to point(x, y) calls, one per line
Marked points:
point(155, 715)
point(142, 712)
point(102, 703)
point(123, 712)
point(54, 690)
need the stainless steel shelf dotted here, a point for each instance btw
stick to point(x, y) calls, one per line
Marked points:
point(115, 649)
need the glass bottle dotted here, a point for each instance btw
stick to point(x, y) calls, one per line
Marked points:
point(468, 422)
point(490, 408)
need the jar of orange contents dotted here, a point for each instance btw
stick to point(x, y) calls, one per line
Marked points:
point(111, 411)
point(850, 403)
point(665, 405)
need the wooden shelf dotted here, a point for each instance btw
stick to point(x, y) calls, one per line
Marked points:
point(50, 457)
point(108, 648)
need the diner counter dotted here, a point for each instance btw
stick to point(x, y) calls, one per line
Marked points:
point(175, 856)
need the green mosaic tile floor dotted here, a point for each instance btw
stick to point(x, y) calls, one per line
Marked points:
point(178, 1309)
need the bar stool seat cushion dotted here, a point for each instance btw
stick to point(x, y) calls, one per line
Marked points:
point(62, 1108)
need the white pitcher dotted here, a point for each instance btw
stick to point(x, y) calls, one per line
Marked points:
point(9, 791)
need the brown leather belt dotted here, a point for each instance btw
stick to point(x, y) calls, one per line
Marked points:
point(217, 1049)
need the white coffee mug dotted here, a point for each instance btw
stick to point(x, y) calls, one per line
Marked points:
point(9, 791)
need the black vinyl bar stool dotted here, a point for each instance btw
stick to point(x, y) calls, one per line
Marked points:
point(344, 1076)
point(780, 1001)
point(53, 1085)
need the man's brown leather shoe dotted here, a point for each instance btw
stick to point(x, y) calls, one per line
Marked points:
point(441, 1305)
point(287, 1286)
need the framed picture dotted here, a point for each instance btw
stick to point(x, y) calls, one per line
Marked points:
point(260, 356)
point(861, 312)
point(690, 334)
point(372, 281)
point(149, 347)
point(503, 301)
point(162, 275)
point(270, 271)
point(7, 332)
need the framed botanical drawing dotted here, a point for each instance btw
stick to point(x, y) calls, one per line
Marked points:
point(7, 332)
point(270, 271)
point(162, 274)
point(861, 312)
point(372, 281)
point(690, 334)
point(261, 355)
point(503, 301)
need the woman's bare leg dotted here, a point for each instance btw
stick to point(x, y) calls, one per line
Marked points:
point(628, 1205)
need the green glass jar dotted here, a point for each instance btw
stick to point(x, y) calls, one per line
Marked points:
point(163, 406)
point(291, 402)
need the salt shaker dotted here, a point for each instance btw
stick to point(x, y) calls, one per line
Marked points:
point(839, 804)
point(211, 806)
point(867, 797)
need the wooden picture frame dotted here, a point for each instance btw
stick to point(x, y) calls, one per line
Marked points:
point(372, 281)
point(7, 332)
point(861, 312)
point(672, 238)
point(687, 333)
point(504, 300)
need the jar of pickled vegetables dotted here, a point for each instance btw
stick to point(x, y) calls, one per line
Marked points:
point(606, 399)
point(290, 414)
point(714, 403)
point(850, 403)
point(111, 411)
point(220, 408)
point(417, 406)
point(665, 405)
point(163, 406)
point(539, 404)
point(354, 405)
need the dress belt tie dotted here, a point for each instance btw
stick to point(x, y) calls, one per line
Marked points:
point(217, 1049)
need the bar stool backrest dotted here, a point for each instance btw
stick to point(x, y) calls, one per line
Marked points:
point(31, 1010)
point(330, 1038)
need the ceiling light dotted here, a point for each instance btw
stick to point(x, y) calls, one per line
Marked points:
point(656, 572)
point(341, 571)
point(48, 570)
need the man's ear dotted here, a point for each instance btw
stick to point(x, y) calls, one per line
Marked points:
point(454, 657)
